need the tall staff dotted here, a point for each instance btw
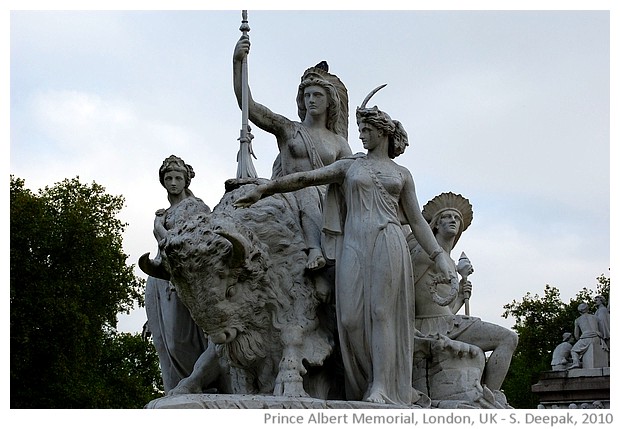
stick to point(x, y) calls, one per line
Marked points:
point(245, 167)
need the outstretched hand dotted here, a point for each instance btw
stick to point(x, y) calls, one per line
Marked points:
point(251, 196)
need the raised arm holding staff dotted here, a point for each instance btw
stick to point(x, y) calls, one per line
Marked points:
point(317, 140)
point(245, 167)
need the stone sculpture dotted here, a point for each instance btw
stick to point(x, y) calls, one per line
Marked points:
point(437, 304)
point(304, 283)
point(373, 268)
point(178, 340)
point(602, 314)
point(589, 339)
point(561, 358)
point(242, 275)
point(318, 140)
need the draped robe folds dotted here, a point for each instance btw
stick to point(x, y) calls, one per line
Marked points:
point(373, 281)
point(178, 340)
point(602, 314)
point(176, 337)
point(310, 200)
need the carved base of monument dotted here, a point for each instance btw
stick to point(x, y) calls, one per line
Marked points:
point(595, 357)
point(450, 372)
point(257, 402)
point(581, 387)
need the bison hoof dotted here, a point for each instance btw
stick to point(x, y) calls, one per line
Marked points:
point(290, 383)
point(184, 387)
point(293, 390)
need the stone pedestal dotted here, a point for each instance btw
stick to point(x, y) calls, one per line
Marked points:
point(450, 373)
point(595, 357)
point(257, 402)
point(582, 387)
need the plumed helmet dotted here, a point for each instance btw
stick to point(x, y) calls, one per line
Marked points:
point(338, 118)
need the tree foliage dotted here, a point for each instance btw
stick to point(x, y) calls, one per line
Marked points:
point(540, 322)
point(68, 281)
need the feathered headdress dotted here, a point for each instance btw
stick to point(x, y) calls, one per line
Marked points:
point(449, 201)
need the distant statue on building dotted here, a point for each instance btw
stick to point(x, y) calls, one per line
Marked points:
point(588, 335)
point(561, 358)
point(602, 314)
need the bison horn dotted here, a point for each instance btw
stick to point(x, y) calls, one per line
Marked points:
point(153, 268)
point(241, 247)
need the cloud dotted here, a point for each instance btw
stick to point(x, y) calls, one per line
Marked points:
point(511, 109)
point(510, 260)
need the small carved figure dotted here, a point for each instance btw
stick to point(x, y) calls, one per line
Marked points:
point(178, 340)
point(561, 357)
point(587, 334)
point(602, 314)
point(374, 277)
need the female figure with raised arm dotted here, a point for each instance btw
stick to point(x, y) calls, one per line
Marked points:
point(317, 139)
point(374, 276)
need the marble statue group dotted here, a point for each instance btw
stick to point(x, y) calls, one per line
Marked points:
point(588, 346)
point(327, 281)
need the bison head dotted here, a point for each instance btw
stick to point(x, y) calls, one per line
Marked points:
point(222, 274)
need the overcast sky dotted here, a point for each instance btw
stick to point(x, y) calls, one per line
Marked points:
point(511, 109)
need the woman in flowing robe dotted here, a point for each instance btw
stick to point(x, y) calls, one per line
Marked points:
point(178, 340)
point(374, 277)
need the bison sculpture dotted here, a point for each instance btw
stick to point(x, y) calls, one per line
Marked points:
point(242, 274)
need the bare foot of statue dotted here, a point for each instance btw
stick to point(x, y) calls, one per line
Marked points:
point(377, 396)
point(316, 260)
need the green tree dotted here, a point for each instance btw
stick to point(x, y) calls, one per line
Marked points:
point(540, 322)
point(129, 372)
point(69, 280)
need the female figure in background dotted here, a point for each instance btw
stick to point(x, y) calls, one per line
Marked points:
point(178, 340)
